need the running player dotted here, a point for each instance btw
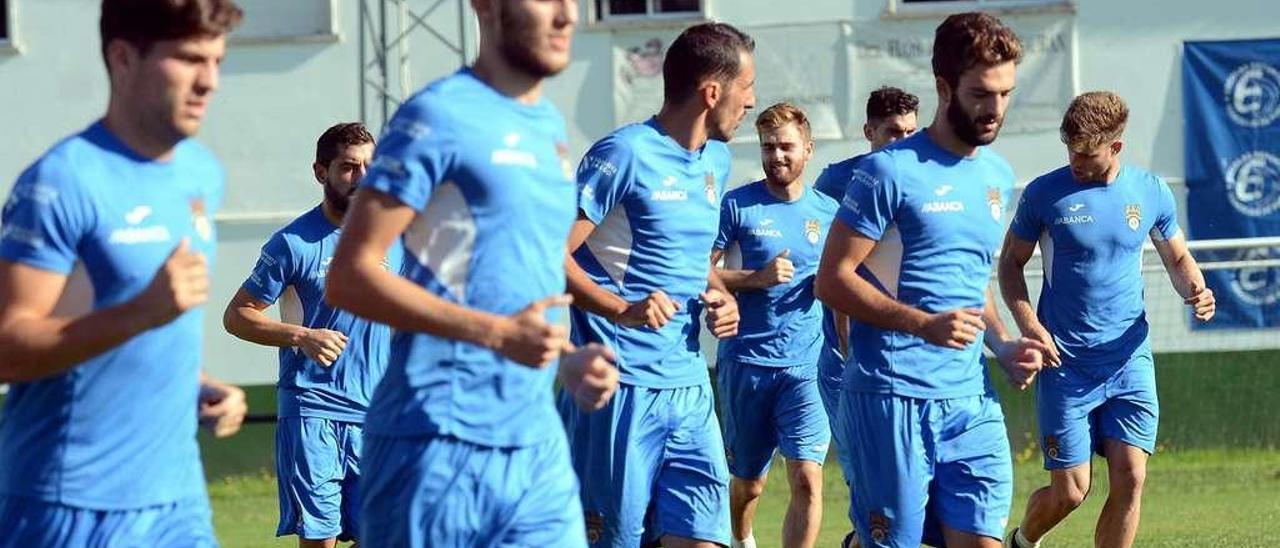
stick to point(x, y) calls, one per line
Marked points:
point(767, 374)
point(462, 442)
point(104, 262)
point(909, 260)
point(1090, 219)
point(891, 116)
point(640, 273)
point(330, 360)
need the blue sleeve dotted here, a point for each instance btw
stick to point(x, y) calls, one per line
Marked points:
point(871, 198)
point(1166, 225)
point(728, 233)
point(273, 272)
point(830, 182)
point(604, 178)
point(414, 154)
point(45, 218)
point(1027, 224)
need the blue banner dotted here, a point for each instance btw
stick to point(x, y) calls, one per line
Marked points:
point(1231, 103)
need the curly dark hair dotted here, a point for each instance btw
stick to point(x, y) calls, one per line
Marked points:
point(889, 101)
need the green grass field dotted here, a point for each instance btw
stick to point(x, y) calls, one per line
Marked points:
point(1215, 481)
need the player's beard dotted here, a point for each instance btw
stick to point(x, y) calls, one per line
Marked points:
point(517, 45)
point(966, 127)
point(337, 200)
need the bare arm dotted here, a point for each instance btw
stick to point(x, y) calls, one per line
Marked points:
point(779, 270)
point(1011, 272)
point(245, 318)
point(840, 287)
point(654, 311)
point(39, 339)
point(357, 282)
point(1185, 275)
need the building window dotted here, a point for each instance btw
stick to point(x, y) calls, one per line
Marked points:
point(655, 9)
point(936, 6)
point(4, 20)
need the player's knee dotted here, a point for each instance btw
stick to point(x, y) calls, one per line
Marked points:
point(1070, 494)
point(749, 489)
point(1128, 479)
point(806, 482)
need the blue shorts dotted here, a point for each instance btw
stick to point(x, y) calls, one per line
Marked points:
point(652, 464)
point(317, 477)
point(922, 464)
point(28, 522)
point(830, 371)
point(771, 408)
point(1079, 407)
point(428, 491)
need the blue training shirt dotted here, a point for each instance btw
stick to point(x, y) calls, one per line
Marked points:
point(938, 221)
point(492, 185)
point(832, 182)
point(1091, 237)
point(117, 431)
point(656, 206)
point(781, 326)
point(292, 269)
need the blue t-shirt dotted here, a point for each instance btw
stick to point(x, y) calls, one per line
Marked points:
point(832, 182)
point(492, 185)
point(938, 221)
point(1091, 237)
point(117, 431)
point(656, 206)
point(780, 325)
point(292, 269)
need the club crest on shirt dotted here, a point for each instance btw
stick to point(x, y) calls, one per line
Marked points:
point(562, 150)
point(1133, 216)
point(879, 526)
point(595, 526)
point(200, 219)
point(812, 230)
point(995, 203)
point(710, 187)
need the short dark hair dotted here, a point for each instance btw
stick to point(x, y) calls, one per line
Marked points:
point(705, 50)
point(338, 137)
point(890, 101)
point(145, 22)
point(967, 40)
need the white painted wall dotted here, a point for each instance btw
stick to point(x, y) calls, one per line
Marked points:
point(277, 95)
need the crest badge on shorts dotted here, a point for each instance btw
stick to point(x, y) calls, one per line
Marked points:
point(595, 527)
point(1051, 448)
point(812, 230)
point(995, 203)
point(1133, 216)
point(200, 219)
point(710, 187)
point(879, 526)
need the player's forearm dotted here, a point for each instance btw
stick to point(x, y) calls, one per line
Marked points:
point(1186, 276)
point(33, 348)
point(589, 296)
point(738, 280)
point(846, 292)
point(842, 330)
point(367, 290)
point(996, 334)
point(1013, 288)
point(250, 324)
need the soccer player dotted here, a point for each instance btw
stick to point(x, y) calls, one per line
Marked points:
point(768, 373)
point(463, 446)
point(330, 359)
point(640, 273)
point(909, 259)
point(1090, 219)
point(891, 117)
point(105, 253)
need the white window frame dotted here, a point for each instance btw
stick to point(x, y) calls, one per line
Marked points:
point(599, 16)
point(900, 8)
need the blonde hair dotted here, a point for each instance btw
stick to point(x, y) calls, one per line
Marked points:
point(1093, 119)
point(781, 114)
